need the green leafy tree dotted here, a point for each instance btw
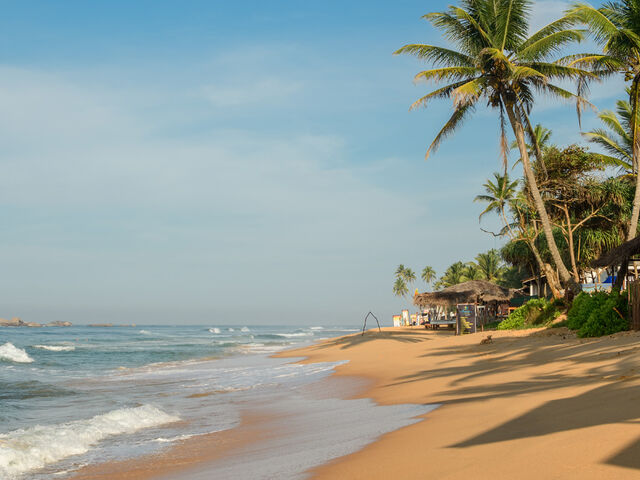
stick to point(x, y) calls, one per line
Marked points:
point(494, 60)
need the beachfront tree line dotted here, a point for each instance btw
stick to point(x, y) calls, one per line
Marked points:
point(562, 213)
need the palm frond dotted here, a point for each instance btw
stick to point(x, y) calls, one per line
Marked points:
point(459, 115)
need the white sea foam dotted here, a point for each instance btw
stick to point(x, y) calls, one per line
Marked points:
point(231, 330)
point(214, 330)
point(56, 348)
point(317, 328)
point(145, 332)
point(10, 352)
point(245, 329)
point(291, 335)
point(33, 448)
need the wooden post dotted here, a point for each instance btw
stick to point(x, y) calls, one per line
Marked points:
point(634, 300)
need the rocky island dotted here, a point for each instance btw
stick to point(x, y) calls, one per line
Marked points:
point(17, 322)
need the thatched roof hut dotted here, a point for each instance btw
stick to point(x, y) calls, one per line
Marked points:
point(466, 292)
point(618, 255)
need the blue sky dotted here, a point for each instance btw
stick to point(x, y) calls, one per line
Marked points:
point(231, 162)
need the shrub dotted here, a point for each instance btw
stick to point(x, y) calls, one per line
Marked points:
point(537, 311)
point(599, 314)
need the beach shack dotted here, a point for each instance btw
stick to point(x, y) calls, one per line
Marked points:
point(397, 320)
point(475, 303)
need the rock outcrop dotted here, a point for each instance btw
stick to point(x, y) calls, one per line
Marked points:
point(14, 322)
point(59, 323)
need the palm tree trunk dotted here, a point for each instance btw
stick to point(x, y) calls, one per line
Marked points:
point(635, 137)
point(518, 130)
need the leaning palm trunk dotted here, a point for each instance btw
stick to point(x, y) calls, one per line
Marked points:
point(518, 130)
point(635, 212)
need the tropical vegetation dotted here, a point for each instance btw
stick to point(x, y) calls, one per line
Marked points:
point(571, 204)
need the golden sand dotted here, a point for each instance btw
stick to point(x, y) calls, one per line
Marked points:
point(528, 404)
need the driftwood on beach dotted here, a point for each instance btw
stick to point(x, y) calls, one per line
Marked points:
point(473, 291)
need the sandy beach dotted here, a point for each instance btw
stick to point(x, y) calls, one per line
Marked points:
point(530, 404)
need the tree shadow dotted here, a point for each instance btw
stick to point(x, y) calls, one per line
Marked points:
point(405, 336)
point(628, 457)
point(588, 409)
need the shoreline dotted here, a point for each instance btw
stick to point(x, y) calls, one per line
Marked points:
point(531, 404)
point(282, 438)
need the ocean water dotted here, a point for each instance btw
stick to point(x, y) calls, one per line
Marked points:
point(72, 396)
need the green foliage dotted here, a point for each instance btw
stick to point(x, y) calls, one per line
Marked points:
point(535, 312)
point(597, 314)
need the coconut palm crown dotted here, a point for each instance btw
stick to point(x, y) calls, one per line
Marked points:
point(495, 61)
point(616, 138)
point(616, 26)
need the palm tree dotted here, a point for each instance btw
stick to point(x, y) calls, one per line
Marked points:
point(400, 288)
point(498, 195)
point(617, 140)
point(541, 136)
point(616, 26)
point(497, 62)
point(453, 275)
point(428, 275)
point(408, 275)
point(472, 272)
point(490, 264)
point(400, 271)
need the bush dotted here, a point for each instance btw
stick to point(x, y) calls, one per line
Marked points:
point(597, 314)
point(537, 311)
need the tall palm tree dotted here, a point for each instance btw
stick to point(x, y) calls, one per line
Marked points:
point(400, 288)
point(408, 276)
point(497, 62)
point(400, 271)
point(428, 275)
point(616, 139)
point(616, 25)
point(499, 194)
point(490, 264)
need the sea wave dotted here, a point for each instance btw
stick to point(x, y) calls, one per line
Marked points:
point(214, 330)
point(33, 448)
point(317, 328)
point(291, 335)
point(144, 332)
point(245, 329)
point(56, 348)
point(10, 352)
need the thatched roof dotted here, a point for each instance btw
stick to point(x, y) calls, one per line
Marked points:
point(466, 292)
point(618, 255)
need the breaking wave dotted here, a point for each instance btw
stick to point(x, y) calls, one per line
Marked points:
point(56, 348)
point(10, 352)
point(33, 448)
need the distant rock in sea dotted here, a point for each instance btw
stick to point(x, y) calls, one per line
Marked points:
point(14, 322)
point(100, 325)
point(59, 323)
point(32, 324)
